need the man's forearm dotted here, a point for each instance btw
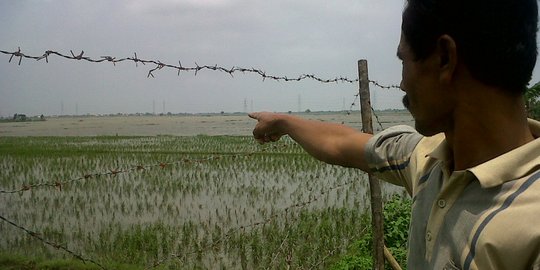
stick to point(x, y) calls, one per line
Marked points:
point(329, 142)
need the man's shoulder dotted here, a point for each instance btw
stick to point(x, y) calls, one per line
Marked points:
point(394, 140)
point(427, 145)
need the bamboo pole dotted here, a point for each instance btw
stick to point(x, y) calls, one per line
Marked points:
point(390, 259)
point(374, 185)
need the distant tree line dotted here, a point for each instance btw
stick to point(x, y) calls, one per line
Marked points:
point(19, 117)
point(532, 101)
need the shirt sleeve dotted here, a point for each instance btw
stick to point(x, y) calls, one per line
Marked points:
point(389, 155)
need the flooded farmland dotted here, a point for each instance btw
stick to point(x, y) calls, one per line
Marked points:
point(177, 125)
point(187, 192)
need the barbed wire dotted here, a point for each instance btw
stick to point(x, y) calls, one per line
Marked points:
point(393, 86)
point(160, 65)
point(137, 168)
point(112, 172)
point(377, 119)
point(356, 97)
point(180, 68)
point(52, 244)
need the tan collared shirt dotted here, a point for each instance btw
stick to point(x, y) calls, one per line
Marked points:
point(485, 217)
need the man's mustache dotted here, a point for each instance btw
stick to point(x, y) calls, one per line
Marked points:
point(406, 101)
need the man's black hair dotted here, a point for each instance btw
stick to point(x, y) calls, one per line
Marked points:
point(496, 39)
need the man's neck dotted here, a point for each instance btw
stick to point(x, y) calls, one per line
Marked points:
point(486, 128)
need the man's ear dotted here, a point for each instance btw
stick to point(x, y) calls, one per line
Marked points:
point(448, 57)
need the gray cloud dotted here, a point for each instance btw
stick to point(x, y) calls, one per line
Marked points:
point(287, 38)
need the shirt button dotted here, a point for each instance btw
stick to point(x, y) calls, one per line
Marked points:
point(441, 203)
point(428, 236)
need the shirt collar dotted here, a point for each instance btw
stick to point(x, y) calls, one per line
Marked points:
point(511, 165)
point(506, 167)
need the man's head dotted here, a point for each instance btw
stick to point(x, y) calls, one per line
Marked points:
point(451, 45)
point(496, 39)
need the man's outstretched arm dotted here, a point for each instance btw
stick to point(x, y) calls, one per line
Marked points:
point(329, 142)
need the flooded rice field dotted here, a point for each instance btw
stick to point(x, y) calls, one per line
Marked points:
point(187, 192)
point(184, 125)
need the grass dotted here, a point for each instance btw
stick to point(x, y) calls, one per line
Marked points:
point(19, 262)
point(396, 226)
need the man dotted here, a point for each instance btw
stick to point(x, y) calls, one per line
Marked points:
point(472, 166)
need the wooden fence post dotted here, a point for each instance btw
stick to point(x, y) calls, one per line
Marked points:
point(374, 185)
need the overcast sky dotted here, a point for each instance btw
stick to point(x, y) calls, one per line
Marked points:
point(283, 38)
